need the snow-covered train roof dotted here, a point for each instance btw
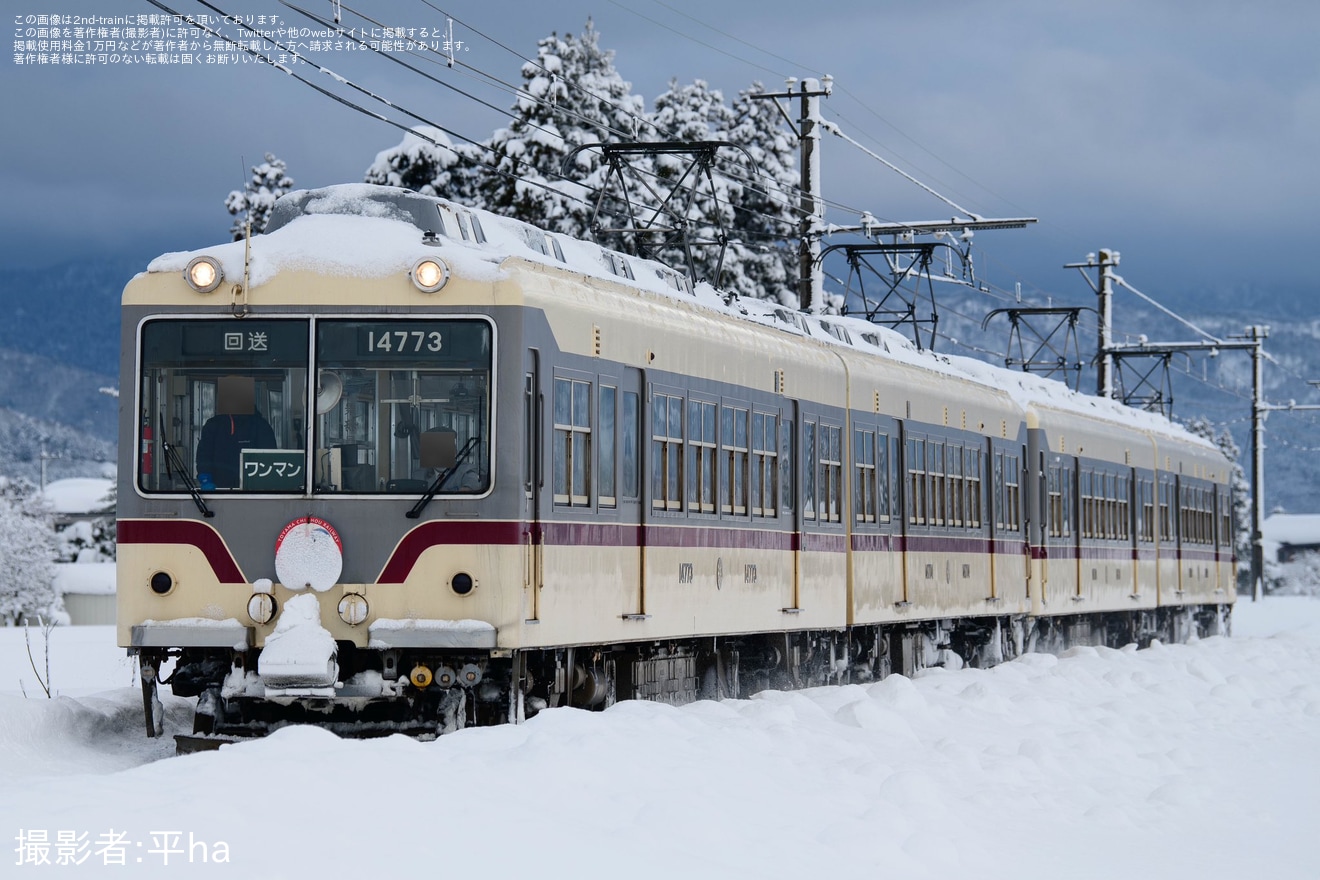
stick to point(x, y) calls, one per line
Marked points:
point(369, 231)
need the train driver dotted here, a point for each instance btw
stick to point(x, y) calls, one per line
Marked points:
point(235, 426)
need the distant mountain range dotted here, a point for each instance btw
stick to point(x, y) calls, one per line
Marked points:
point(60, 345)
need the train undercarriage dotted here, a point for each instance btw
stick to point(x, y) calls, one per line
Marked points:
point(427, 693)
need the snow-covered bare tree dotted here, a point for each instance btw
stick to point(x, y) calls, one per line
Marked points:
point(426, 161)
point(27, 546)
point(571, 96)
point(269, 181)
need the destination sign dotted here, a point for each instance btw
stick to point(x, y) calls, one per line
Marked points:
point(418, 344)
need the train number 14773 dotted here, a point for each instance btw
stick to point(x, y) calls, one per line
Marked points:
point(403, 341)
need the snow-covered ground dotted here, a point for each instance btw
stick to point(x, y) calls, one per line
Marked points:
point(1184, 761)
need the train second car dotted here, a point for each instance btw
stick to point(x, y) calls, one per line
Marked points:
point(396, 465)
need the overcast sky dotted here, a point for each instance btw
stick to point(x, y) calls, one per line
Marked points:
point(1183, 134)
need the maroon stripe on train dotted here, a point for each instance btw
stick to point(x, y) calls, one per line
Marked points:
point(439, 532)
point(1114, 554)
point(734, 539)
point(184, 531)
point(568, 534)
point(1125, 553)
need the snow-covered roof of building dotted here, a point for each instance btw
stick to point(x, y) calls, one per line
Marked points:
point(1296, 529)
point(85, 578)
point(79, 495)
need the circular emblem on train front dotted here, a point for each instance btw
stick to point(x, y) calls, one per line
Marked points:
point(309, 555)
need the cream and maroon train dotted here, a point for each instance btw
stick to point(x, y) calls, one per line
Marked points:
point(398, 465)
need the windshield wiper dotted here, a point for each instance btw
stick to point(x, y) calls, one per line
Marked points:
point(174, 462)
point(442, 478)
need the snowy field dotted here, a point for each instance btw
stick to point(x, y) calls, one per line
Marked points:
point(1186, 761)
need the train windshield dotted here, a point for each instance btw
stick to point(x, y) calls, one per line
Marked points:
point(403, 406)
point(223, 406)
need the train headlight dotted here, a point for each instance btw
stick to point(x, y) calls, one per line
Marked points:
point(161, 583)
point(261, 608)
point(429, 274)
point(204, 274)
point(353, 608)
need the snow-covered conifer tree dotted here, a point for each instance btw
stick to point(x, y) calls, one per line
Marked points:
point(426, 161)
point(690, 113)
point(763, 251)
point(571, 96)
point(27, 548)
point(269, 181)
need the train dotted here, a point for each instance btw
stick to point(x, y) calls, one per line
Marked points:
point(399, 465)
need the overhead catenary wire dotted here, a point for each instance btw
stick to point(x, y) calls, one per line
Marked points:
point(1118, 279)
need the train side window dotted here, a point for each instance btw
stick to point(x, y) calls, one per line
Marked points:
point(1124, 506)
point(997, 492)
point(631, 411)
point(1088, 502)
point(765, 464)
point(701, 457)
point(733, 452)
point(864, 470)
point(935, 474)
point(606, 445)
point(1013, 493)
point(809, 470)
point(572, 443)
point(972, 474)
point(1054, 489)
point(831, 473)
point(884, 478)
point(1165, 514)
point(916, 468)
point(953, 466)
point(786, 461)
point(666, 452)
point(1146, 510)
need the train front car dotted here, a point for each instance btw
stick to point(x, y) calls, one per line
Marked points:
point(309, 523)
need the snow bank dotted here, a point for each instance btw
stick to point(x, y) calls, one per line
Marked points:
point(1188, 761)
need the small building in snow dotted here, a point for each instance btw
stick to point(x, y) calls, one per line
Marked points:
point(1287, 536)
point(82, 509)
point(88, 589)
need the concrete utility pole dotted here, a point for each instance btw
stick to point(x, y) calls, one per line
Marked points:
point(45, 457)
point(1257, 334)
point(811, 276)
point(1104, 375)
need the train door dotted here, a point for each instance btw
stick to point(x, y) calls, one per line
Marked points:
point(792, 450)
point(621, 474)
point(533, 467)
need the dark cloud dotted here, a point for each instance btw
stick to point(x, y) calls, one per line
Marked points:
point(1183, 136)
